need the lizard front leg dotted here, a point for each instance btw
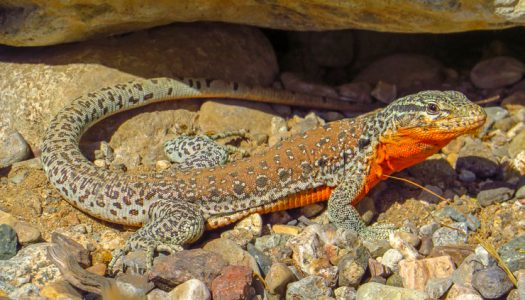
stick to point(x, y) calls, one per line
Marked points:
point(344, 215)
point(171, 224)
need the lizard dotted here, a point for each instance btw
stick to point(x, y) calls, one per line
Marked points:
point(339, 162)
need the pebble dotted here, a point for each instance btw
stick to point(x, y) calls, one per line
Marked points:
point(428, 197)
point(492, 282)
point(517, 144)
point(460, 292)
point(437, 287)
point(358, 92)
point(450, 212)
point(426, 245)
point(428, 229)
point(352, 267)
point(27, 233)
point(233, 283)
point(377, 248)
point(172, 270)
point(473, 223)
point(13, 148)
point(384, 92)
point(497, 72)
point(293, 82)
point(158, 294)
point(81, 255)
point(377, 269)
point(511, 254)
point(232, 253)
point(416, 273)
point(497, 195)
point(267, 242)
point(477, 158)
point(162, 165)
point(190, 290)
point(8, 242)
point(447, 236)
point(308, 288)
point(465, 271)
point(263, 261)
point(406, 248)
point(372, 290)
point(278, 277)
point(253, 224)
point(391, 259)
point(345, 293)
point(457, 252)
point(286, 229)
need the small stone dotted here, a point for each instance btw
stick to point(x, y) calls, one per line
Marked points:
point(158, 294)
point(311, 210)
point(457, 252)
point(460, 292)
point(293, 82)
point(308, 288)
point(372, 290)
point(465, 271)
point(426, 245)
point(172, 270)
point(13, 148)
point(473, 223)
point(497, 72)
point(395, 280)
point(162, 165)
point(377, 248)
point(466, 176)
point(253, 223)
point(81, 255)
point(286, 229)
point(191, 289)
point(240, 237)
point(447, 236)
point(428, 229)
point(384, 92)
point(27, 233)
point(8, 242)
point(358, 92)
point(496, 113)
point(270, 241)
point(60, 290)
point(278, 277)
point(517, 144)
point(477, 158)
point(492, 282)
point(233, 283)
point(7, 219)
point(232, 253)
point(377, 269)
point(263, 261)
point(99, 269)
point(391, 259)
point(511, 254)
point(484, 257)
point(100, 163)
point(437, 287)
point(352, 267)
point(497, 195)
point(428, 197)
point(450, 212)
point(403, 246)
point(136, 261)
point(416, 273)
point(345, 293)
point(132, 285)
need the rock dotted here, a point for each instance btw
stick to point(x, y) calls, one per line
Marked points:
point(447, 236)
point(517, 144)
point(29, 270)
point(400, 244)
point(515, 101)
point(133, 285)
point(511, 255)
point(496, 113)
point(233, 283)
point(158, 294)
point(352, 267)
point(295, 83)
point(416, 273)
point(437, 287)
point(460, 292)
point(497, 195)
point(169, 271)
point(384, 92)
point(372, 290)
point(136, 261)
point(377, 247)
point(232, 253)
point(428, 197)
point(253, 223)
point(414, 71)
point(189, 290)
point(395, 280)
point(450, 212)
point(521, 283)
point(484, 257)
point(426, 245)
point(477, 158)
point(8, 242)
point(81, 255)
point(308, 288)
point(457, 252)
point(497, 72)
point(377, 269)
point(25, 291)
point(428, 229)
point(44, 77)
point(220, 116)
point(391, 259)
point(270, 241)
point(492, 282)
point(278, 277)
point(286, 229)
point(27, 233)
point(60, 290)
point(358, 92)
point(99, 269)
point(240, 237)
point(263, 261)
point(13, 148)
point(464, 273)
point(345, 293)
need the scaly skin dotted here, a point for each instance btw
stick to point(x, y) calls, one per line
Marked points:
point(339, 162)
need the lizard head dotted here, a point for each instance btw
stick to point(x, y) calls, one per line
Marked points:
point(418, 125)
point(434, 116)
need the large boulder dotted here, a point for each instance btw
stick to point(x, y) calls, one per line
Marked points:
point(38, 22)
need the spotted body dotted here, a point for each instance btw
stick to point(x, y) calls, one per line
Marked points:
point(338, 162)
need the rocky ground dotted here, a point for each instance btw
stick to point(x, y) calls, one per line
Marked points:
point(295, 254)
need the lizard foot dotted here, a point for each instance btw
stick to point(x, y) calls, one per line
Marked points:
point(171, 224)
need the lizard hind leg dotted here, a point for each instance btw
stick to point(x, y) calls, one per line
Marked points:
point(171, 224)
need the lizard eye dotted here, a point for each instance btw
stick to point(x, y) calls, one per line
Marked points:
point(432, 108)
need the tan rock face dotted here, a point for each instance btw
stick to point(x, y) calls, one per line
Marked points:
point(40, 22)
point(36, 83)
